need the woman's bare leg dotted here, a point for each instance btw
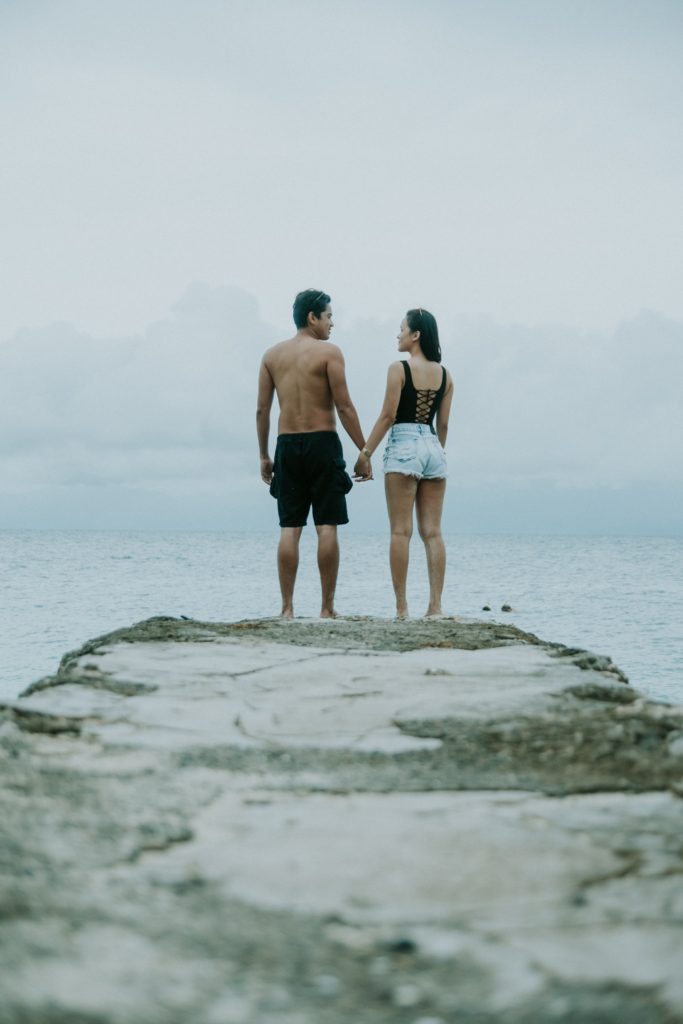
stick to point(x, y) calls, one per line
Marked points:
point(400, 491)
point(429, 505)
point(287, 565)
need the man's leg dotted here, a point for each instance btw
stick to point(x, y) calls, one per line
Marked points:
point(287, 565)
point(429, 504)
point(400, 491)
point(328, 565)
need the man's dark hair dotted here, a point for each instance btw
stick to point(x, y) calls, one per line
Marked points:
point(422, 320)
point(311, 301)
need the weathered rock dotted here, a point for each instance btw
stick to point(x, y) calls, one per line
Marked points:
point(321, 822)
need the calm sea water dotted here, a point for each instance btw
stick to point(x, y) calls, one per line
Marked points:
point(621, 596)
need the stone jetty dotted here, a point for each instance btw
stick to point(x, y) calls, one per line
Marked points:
point(346, 822)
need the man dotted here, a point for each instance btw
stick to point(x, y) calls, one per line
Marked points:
point(307, 372)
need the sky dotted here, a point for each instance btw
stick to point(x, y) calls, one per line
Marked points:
point(171, 174)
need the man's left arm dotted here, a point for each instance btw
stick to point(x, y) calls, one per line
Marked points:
point(264, 403)
point(336, 375)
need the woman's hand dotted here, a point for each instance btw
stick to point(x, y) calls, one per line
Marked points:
point(363, 469)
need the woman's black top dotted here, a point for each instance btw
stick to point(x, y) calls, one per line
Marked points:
point(419, 405)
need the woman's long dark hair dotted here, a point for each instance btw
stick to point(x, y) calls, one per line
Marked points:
point(423, 321)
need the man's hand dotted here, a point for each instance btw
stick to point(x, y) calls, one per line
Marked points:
point(363, 469)
point(266, 469)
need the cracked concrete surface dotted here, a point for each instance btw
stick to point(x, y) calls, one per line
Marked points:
point(310, 823)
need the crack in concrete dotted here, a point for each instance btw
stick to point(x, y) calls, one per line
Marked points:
point(269, 668)
point(160, 845)
point(44, 722)
point(634, 862)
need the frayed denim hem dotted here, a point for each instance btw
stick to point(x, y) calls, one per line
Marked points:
point(413, 476)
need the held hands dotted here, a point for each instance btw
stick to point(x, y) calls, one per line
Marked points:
point(266, 469)
point(362, 471)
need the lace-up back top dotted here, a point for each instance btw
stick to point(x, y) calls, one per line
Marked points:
point(419, 405)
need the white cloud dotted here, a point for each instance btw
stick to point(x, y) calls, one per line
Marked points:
point(572, 408)
point(521, 160)
point(500, 163)
point(172, 412)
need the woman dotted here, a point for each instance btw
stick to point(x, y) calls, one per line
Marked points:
point(419, 393)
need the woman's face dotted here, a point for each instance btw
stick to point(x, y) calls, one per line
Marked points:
point(406, 337)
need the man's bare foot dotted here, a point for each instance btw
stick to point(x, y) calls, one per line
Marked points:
point(287, 613)
point(434, 613)
point(329, 613)
point(402, 611)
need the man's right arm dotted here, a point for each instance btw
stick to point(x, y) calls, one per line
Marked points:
point(264, 402)
point(336, 375)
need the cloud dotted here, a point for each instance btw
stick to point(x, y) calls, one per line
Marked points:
point(171, 413)
point(517, 159)
point(181, 385)
point(138, 430)
point(571, 408)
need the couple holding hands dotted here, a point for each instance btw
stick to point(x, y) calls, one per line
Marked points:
point(308, 471)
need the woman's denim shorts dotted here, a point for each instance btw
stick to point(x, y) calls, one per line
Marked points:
point(413, 450)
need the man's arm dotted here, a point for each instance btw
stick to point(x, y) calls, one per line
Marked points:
point(336, 375)
point(264, 402)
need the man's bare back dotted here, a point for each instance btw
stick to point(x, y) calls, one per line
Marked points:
point(299, 369)
point(308, 374)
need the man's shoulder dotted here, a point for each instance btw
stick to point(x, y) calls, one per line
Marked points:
point(324, 352)
point(332, 351)
point(289, 349)
point(279, 348)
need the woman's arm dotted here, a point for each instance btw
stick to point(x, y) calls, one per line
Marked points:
point(444, 411)
point(392, 396)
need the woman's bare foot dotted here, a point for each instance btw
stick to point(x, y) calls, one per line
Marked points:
point(401, 611)
point(434, 613)
point(287, 612)
point(328, 613)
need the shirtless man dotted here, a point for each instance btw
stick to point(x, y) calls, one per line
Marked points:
point(307, 372)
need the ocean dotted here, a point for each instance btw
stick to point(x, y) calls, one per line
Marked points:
point(621, 596)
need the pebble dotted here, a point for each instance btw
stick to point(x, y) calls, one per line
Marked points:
point(406, 995)
point(352, 938)
point(676, 745)
point(379, 966)
point(326, 985)
point(278, 998)
point(230, 1009)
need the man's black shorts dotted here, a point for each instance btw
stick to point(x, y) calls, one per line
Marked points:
point(309, 470)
